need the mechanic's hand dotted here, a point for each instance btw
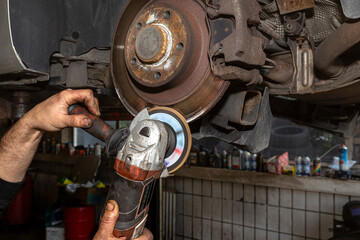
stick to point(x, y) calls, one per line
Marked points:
point(108, 221)
point(52, 114)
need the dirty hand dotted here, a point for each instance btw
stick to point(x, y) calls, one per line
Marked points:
point(52, 114)
point(108, 221)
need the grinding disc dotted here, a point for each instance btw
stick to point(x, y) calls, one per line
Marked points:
point(183, 136)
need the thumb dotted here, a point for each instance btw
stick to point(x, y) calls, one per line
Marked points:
point(81, 121)
point(146, 235)
point(108, 221)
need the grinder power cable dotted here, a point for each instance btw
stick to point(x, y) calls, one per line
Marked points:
point(157, 143)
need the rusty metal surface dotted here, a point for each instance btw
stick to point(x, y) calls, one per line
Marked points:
point(326, 55)
point(283, 71)
point(303, 78)
point(251, 138)
point(237, 45)
point(294, 23)
point(340, 90)
point(337, 67)
point(341, 95)
point(321, 21)
point(151, 44)
point(302, 71)
point(289, 6)
point(232, 72)
point(190, 88)
point(241, 107)
point(156, 45)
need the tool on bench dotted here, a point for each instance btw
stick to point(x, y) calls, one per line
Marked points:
point(157, 143)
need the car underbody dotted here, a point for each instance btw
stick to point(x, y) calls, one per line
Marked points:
point(228, 65)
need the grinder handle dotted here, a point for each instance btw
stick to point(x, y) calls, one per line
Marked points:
point(99, 128)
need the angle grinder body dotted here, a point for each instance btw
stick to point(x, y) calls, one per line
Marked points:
point(157, 143)
point(137, 166)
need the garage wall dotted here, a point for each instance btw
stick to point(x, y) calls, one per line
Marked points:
point(222, 210)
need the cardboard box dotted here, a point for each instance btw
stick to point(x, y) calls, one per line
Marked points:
point(275, 164)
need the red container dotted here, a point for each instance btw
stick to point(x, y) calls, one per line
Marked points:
point(79, 222)
point(19, 210)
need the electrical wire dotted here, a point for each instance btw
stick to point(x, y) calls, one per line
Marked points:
point(332, 148)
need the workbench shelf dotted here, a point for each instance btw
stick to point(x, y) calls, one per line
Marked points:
point(315, 184)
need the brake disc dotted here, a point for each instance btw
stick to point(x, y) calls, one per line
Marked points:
point(159, 58)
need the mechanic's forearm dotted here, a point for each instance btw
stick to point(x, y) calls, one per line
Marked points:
point(17, 149)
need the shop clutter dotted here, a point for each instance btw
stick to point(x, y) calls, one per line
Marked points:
point(76, 211)
point(51, 146)
point(80, 192)
point(239, 159)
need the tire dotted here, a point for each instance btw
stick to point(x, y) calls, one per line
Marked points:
point(280, 122)
point(289, 137)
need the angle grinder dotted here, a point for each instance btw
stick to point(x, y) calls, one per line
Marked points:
point(156, 144)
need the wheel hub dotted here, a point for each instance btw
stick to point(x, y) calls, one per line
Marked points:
point(151, 44)
point(159, 58)
point(155, 46)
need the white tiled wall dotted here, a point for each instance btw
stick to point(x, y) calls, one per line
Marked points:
point(222, 210)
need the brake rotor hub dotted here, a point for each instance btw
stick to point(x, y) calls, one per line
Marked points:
point(151, 44)
point(155, 46)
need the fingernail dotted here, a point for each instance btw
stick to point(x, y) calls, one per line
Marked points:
point(85, 122)
point(110, 206)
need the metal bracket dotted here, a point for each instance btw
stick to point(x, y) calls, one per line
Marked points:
point(240, 108)
point(236, 45)
point(252, 138)
point(303, 57)
point(286, 6)
point(294, 23)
